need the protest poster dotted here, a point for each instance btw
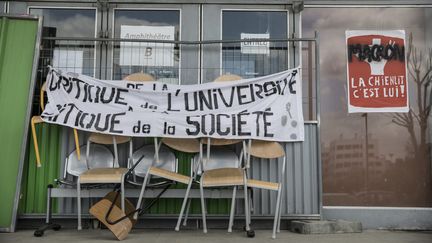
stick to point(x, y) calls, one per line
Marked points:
point(376, 71)
point(266, 108)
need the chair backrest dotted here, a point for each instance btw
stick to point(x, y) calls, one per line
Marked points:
point(99, 157)
point(227, 77)
point(139, 77)
point(220, 157)
point(187, 145)
point(106, 139)
point(266, 149)
point(220, 142)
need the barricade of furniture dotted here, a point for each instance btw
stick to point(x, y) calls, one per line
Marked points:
point(213, 166)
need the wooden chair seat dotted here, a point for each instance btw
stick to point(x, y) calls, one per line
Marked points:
point(169, 175)
point(263, 184)
point(107, 139)
point(186, 145)
point(100, 209)
point(103, 175)
point(223, 177)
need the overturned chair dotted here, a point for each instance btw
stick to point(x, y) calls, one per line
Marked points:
point(103, 173)
point(109, 210)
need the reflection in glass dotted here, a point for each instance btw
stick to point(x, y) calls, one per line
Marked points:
point(68, 22)
point(67, 55)
point(161, 60)
point(258, 59)
point(394, 169)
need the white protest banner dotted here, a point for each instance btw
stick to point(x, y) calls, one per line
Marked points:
point(376, 71)
point(255, 47)
point(266, 108)
point(147, 53)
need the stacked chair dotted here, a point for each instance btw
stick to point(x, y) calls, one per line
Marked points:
point(163, 164)
point(101, 173)
point(37, 119)
point(221, 167)
point(178, 144)
point(269, 151)
point(215, 164)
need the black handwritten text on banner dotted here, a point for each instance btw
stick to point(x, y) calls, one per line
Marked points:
point(267, 108)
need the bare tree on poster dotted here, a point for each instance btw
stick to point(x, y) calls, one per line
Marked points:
point(416, 120)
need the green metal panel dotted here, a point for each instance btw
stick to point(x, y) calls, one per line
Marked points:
point(35, 179)
point(17, 49)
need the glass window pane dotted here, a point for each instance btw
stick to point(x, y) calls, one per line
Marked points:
point(67, 55)
point(2, 7)
point(257, 59)
point(394, 169)
point(158, 59)
point(67, 22)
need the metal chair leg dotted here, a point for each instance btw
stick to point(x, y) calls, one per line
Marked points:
point(146, 178)
point(276, 218)
point(246, 208)
point(231, 220)
point(203, 209)
point(187, 212)
point(280, 213)
point(122, 193)
point(79, 203)
point(48, 224)
point(250, 205)
point(185, 200)
point(279, 221)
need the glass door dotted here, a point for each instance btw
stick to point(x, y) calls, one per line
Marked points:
point(162, 57)
point(247, 59)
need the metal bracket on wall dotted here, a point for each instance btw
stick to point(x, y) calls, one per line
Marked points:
point(102, 5)
point(297, 6)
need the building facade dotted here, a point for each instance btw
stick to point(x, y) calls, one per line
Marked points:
point(374, 166)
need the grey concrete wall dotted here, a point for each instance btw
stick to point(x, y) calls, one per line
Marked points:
point(383, 217)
